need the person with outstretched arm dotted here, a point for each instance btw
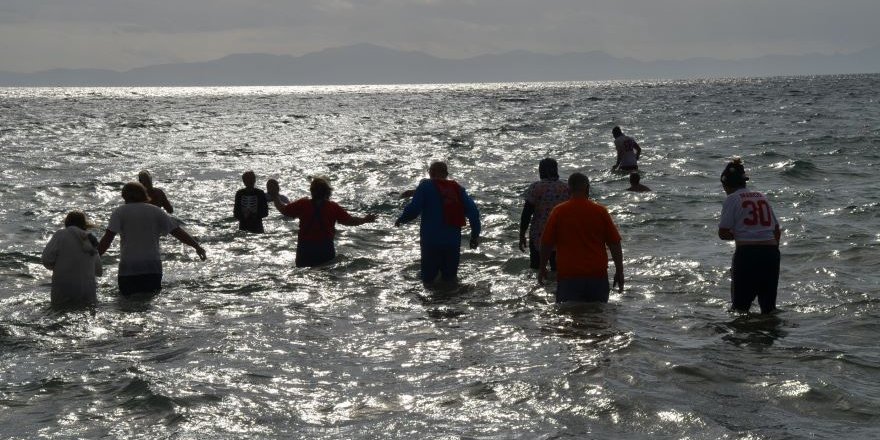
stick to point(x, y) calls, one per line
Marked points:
point(444, 206)
point(580, 230)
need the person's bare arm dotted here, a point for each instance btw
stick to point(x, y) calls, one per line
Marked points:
point(617, 257)
point(546, 250)
point(357, 221)
point(106, 241)
point(185, 238)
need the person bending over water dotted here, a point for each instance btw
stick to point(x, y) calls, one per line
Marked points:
point(540, 198)
point(580, 230)
point(748, 219)
point(317, 222)
point(72, 256)
point(140, 225)
point(157, 196)
point(443, 205)
point(635, 183)
point(251, 205)
point(628, 151)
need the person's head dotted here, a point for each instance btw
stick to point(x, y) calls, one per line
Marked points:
point(438, 170)
point(320, 189)
point(78, 219)
point(634, 179)
point(272, 186)
point(548, 169)
point(145, 179)
point(616, 132)
point(249, 179)
point(734, 176)
point(135, 192)
point(579, 184)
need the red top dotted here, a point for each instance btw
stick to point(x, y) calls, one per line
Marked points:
point(453, 208)
point(320, 225)
point(580, 229)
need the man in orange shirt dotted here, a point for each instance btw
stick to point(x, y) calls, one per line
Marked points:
point(580, 230)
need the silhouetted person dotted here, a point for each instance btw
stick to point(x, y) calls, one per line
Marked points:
point(443, 205)
point(580, 230)
point(140, 224)
point(628, 151)
point(157, 196)
point(72, 256)
point(272, 187)
point(251, 205)
point(540, 198)
point(635, 185)
point(317, 216)
point(748, 219)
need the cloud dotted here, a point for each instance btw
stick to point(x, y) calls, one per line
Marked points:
point(123, 34)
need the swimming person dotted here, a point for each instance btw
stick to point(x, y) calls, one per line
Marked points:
point(251, 205)
point(628, 151)
point(580, 230)
point(140, 225)
point(72, 256)
point(540, 198)
point(748, 219)
point(443, 205)
point(635, 183)
point(317, 216)
point(157, 196)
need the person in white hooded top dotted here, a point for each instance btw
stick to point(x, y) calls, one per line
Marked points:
point(72, 256)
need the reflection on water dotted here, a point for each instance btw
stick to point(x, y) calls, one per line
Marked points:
point(246, 345)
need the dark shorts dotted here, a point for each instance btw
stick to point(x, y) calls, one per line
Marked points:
point(628, 168)
point(535, 257)
point(440, 260)
point(311, 253)
point(139, 284)
point(582, 290)
point(755, 273)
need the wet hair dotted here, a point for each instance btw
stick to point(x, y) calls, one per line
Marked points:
point(616, 131)
point(145, 178)
point(439, 168)
point(76, 218)
point(634, 178)
point(578, 181)
point(135, 192)
point(249, 178)
point(548, 169)
point(271, 182)
point(320, 189)
point(734, 174)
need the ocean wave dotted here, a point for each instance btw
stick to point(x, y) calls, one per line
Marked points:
point(800, 169)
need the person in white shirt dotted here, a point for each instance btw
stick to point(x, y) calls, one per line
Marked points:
point(748, 219)
point(628, 151)
point(72, 256)
point(140, 225)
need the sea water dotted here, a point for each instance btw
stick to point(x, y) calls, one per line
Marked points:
point(246, 345)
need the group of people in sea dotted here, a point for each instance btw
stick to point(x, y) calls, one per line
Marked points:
point(561, 228)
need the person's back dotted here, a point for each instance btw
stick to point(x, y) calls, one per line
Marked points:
point(582, 229)
point(140, 225)
point(628, 151)
point(157, 197)
point(251, 206)
point(540, 198)
point(72, 255)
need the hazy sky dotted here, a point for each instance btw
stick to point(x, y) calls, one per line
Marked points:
point(122, 34)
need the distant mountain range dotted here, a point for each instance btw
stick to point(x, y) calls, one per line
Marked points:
point(370, 64)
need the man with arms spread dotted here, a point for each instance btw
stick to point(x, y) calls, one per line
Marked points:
point(628, 151)
point(443, 205)
point(748, 219)
point(580, 230)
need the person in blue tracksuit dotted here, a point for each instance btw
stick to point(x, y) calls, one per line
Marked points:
point(443, 205)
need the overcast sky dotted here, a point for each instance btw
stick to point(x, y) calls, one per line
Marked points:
point(122, 34)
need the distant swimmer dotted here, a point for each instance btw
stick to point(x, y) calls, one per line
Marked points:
point(72, 256)
point(140, 224)
point(443, 205)
point(317, 216)
point(580, 230)
point(635, 183)
point(272, 187)
point(540, 198)
point(628, 151)
point(251, 205)
point(157, 196)
point(748, 219)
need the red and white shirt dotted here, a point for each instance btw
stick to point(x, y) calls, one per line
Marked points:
point(749, 216)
